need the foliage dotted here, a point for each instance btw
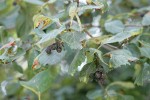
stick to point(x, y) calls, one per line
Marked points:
point(75, 50)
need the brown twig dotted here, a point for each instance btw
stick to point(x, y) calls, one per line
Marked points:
point(88, 33)
point(109, 47)
point(132, 25)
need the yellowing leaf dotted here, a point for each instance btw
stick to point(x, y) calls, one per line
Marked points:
point(41, 21)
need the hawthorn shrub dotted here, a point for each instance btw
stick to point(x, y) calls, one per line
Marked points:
point(75, 49)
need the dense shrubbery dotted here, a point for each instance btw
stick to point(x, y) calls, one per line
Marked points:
point(73, 50)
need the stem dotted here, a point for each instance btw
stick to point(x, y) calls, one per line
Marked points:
point(39, 96)
point(79, 22)
point(133, 25)
point(88, 33)
point(106, 46)
point(109, 47)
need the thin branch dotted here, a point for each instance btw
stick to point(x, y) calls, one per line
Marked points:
point(90, 25)
point(133, 25)
point(109, 47)
point(88, 33)
point(106, 46)
point(77, 3)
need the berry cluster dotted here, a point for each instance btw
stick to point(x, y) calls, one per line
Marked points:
point(55, 46)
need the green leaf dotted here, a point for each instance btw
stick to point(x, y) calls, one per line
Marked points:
point(9, 19)
point(95, 95)
point(32, 55)
point(127, 97)
point(90, 57)
point(146, 19)
point(2, 5)
point(6, 58)
point(36, 2)
point(142, 74)
point(86, 71)
point(77, 61)
point(115, 26)
point(129, 32)
point(128, 85)
point(51, 35)
point(51, 1)
point(120, 57)
point(146, 72)
point(20, 52)
point(73, 39)
point(145, 51)
point(93, 50)
point(39, 83)
point(24, 23)
point(17, 67)
point(7, 9)
point(133, 49)
point(138, 75)
point(50, 59)
point(99, 39)
point(145, 38)
point(112, 95)
point(101, 2)
point(12, 88)
point(145, 43)
point(86, 7)
point(73, 10)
